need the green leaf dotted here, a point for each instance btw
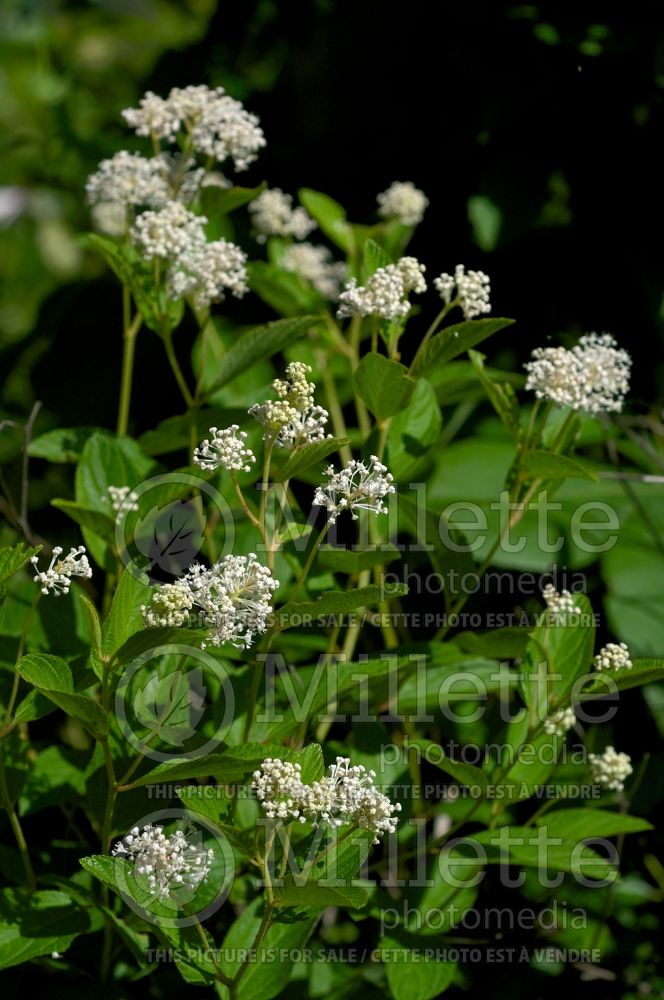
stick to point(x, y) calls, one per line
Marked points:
point(306, 456)
point(374, 257)
point(501, 394)
point(565, 645)
point(46, 671)
point(642, 672)
point(329, 215)
point(62, 445)
point(454, 340)
point(37, 923)
point(57, 777)
point(336, 602)
point(93, 618)
point(96, 521)
point(351, 561)
point(234, 764)
point(413, 432)
point(13, 558)
point(465, 774)
point(579, 824)
point(524, 850)
point(408, 976)
point(150, 638)
point(219, 201)
point(314, 894)
point(258, 343)
point(53, 678)
point(546, 465)
point(285, 291)
point(383, 384)
point(125, 618)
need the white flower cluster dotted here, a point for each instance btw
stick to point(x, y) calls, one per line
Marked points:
point(225, 450)
point(169, 607)
point(346, 795)
point(614, 656)
point(214, 125)
point(273, 215)
point(559, 604)
point(315, 265)
point(233, 599)
point(560, 722)
point(130, 179)
point(592, 377)
point(198, 268)
point(610, 769)
point(357, 487)
point(168, 862)
point(122, 498)
point(386, 291)
point(57, 578)
point(470, 290)
point(404, 202)
point(292, 419)
point(305, 428)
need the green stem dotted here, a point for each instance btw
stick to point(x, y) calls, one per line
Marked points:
point(15, 823)
point(167, 337)
point(430, 332)
point(131, 328)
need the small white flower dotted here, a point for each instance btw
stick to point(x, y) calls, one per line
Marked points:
point(610, 769)
point(357, 487)
point(473, 289)
point(273, 215)
point(305, 428)
point(217, 126)
point(129, 179)
point(232, 597)
point(169, 606)
point(168, 233)
point(559, 604)
point(404, 202)
point(346, 795)
point(315, 265)
point(592, 377)
point(279, 789)
point(296, 397)
point(57, 578)
point(614, 656)
point(206, 271)
point(168, 862)
point(121, 498)
point(560, 722)
point(385, 293)
point(225, 450)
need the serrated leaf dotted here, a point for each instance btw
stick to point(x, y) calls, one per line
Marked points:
point(336, 602)
point(285, 291)
point(413, 432)
point(383, 384)
point(37, 923)
point(53, 678)
point(465, 774)
point(350, 561)
point(642, 672)
point(546, 465)
point(258, 343)
point(314, 894)
point(14, 557)
point(96, 521)
point(329, 215)
point(62, 445)
point(308, 455)
point(580, 824)
point(219, 200)
point(373, 258)
point(454, 340)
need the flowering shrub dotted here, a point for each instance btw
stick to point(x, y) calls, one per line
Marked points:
point(236, 678)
